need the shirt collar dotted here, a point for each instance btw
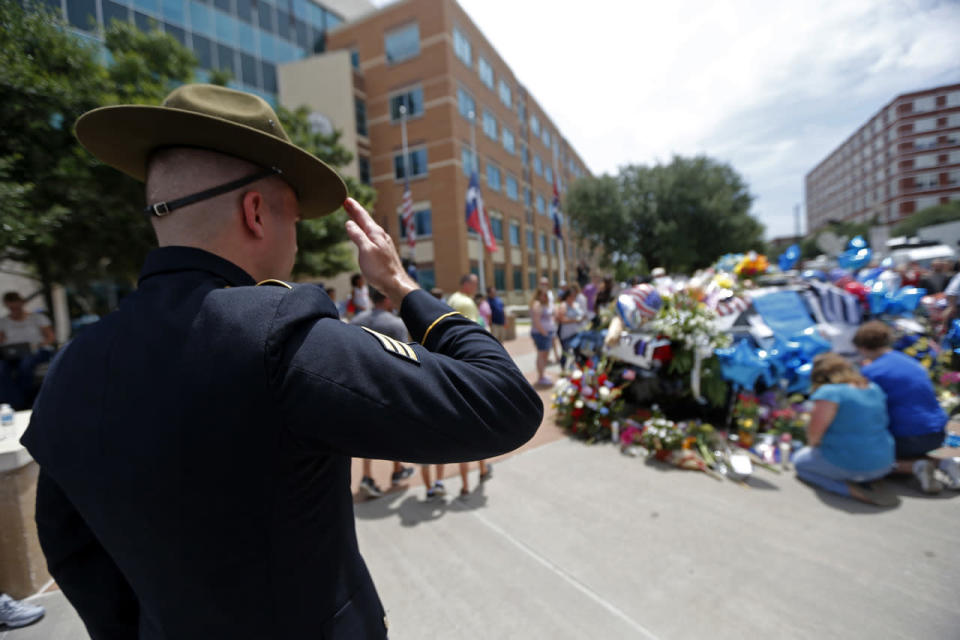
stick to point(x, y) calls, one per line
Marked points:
point(174, 259)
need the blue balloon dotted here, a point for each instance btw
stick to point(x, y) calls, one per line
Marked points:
point(800, 382)
point(857, 242)
point(886, 263)
point(741, 365)
point(789, 257)
point(855, 258)
point(811, 343)
point(907, 299)
point(814, 274)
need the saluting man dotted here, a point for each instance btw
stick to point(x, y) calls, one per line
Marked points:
point(194, 446)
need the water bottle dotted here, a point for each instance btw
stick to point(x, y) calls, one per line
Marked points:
point(6, 421)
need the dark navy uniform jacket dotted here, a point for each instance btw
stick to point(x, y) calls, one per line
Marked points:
point(195, 450)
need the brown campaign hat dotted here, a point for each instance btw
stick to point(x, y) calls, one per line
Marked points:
point(210, 117)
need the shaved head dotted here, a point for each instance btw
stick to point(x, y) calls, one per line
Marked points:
point(253, 225)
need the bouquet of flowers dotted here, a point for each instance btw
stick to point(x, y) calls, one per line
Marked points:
point(789, 421)
point(588, 402)
point(752, 264)
point(746, 414)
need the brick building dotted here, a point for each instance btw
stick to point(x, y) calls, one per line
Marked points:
point(902, 160)
point(430, 57)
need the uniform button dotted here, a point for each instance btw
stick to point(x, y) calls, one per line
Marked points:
point(386, 623)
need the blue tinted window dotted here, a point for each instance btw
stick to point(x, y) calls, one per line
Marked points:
point(489, 125)
point(541, 206)
point(225, 59)
point(532, 280)
point(526, 197)
point(355, 59)
point(418, 164)
point(248, 69)
point(461, 47)
point(202, 47)
point(412, 99)
point(360, 108)
point(283, 25)
point(402, 44)
point(427, 278)
point(466, 161)
point(543, 242)
point(144, 22)
point(500, 278)
point(496, 225)
point(246, 38)
point(515, 234)
point(512, 192)
point(530, 244)
point(173, 11)
point(300, 9)
point(146, 5)
point(268, 47)
point(508, 143)
point(422, 222)
point(82, 14)
point(465, 103)
point(245, 10)
point(548, 174)
point(517, 279)
point(333, 21)
point(113, 11)
point(179, 34)
point(265, 13)
point(493, 177)
point(201, 19)
point(226, 27)
point(505, 94)
point(537, 165)
point(269, 73)
point(485, 71)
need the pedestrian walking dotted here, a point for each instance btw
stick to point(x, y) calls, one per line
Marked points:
point(498, 316)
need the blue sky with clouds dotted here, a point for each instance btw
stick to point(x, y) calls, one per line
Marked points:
point(770, 87)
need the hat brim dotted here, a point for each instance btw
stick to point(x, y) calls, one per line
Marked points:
point(124, 136)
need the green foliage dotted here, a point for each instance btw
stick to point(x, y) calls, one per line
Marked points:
point(680, 216)
point(72, 219)
point(937, 214)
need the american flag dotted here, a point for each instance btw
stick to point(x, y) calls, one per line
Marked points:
point(407, 215)
point(555, 212)
point(477, 215)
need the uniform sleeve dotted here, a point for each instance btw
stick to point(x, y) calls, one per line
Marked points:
point(82, 568)
point(455, 396)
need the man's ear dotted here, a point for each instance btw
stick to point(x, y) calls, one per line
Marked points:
point(254, 207)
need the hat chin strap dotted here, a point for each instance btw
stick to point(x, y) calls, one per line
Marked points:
point(160, 209)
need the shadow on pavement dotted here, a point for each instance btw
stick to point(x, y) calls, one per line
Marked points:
point(413, 510)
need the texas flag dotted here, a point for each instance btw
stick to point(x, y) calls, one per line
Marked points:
point(477, 216)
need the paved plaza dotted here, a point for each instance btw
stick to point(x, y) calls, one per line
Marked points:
point(576, 541)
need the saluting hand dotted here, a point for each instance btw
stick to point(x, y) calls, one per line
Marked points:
point(379, 261)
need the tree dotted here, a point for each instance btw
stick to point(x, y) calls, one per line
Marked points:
point(681, 216)
point(937, 214)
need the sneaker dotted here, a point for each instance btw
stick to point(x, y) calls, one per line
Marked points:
point(486, 475)
point(403, 474)
point(951, 469)
point(545, 381)
point(369, 489)
point(438, 489)
point(17, 613)
point(923, 469)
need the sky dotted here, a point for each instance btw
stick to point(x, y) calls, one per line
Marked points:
point(771, 87)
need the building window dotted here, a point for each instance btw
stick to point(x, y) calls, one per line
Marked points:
point(402, 44)
point(553, 246)
point(535, 125)
point(493, 177)
point(508, 142)
point(531, 280)
point(512, 187)
point(543, 242)
point(515, 233)
point(417, 161)
point(361, 110)
point(354, 58)
point(496, 226)
point(541, 205)
point(517, 279)
point(461, 47)
point(422, 223)
point(489, 125)
point(545, 137)
point(468, 161)
point(465, 103)
point(412, 100)
point(530, 242)
point(537, 165)
point(485, 71)
point(499, 278)
point(548, 174)
point(526, 197)
point(364, 166)
point(505, 96)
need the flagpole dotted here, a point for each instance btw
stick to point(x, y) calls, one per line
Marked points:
point(556, 176)
point(476, 168)
point(406, 161)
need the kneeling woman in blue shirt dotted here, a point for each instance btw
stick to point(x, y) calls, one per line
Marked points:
point(847, 438)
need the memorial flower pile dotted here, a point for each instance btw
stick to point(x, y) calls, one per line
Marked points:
point(589, 401)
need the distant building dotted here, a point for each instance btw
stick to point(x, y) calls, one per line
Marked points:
point(430, 57)
point(248, 38)
point(902, 160)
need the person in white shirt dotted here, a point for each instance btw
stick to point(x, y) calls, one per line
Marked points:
point(22, 327)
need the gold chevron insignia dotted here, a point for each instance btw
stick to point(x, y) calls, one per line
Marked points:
point(274, 283)
point(394, 347)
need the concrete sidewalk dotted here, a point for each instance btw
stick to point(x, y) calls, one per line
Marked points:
point(576, 541)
